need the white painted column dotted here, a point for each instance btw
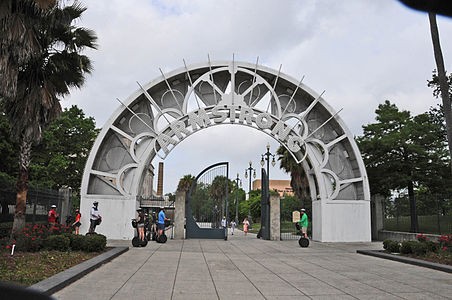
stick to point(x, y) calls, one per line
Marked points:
point(179, 216)
point(341, 221)
point(117, 214)
point(275, 218)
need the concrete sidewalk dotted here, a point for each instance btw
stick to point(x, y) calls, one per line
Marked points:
point(249, 268)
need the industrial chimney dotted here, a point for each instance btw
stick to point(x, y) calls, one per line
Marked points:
point(160, 180)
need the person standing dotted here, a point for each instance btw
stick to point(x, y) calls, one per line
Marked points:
point(140, 224)
point(304, 223)
point(52, 216)
point(233, 224)
point(161, 222)
point(95, 217)
point(246, 224)
point(77, 223)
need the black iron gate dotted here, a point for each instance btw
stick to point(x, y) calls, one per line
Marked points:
point(264, 232)
point(206, 204)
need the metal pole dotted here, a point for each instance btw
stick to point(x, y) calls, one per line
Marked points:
point(250, 169)
point(237, 200)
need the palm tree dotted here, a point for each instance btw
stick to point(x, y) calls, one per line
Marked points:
point(298, 179)
point(185, 183)
point(219, 189)
point(42, 80)
point(442, 78)
point(18, 40)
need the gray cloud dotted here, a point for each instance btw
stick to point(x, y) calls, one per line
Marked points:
point(360, 52)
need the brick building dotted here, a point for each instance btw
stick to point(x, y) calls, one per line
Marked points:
point(282, 186)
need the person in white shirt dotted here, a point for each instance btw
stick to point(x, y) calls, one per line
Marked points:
point(233, 224)
point(95, 217)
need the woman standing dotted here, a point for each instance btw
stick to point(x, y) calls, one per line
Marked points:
point(246, 224)
point(140, 224)
point(77, 223)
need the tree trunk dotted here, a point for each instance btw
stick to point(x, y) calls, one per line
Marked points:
point(22, 186)
point(442, 78)
point(300, 186)
point(413, 213)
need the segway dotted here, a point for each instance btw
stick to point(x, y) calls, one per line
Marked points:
point(136, 242)
point(163, 238)
point(303, 242)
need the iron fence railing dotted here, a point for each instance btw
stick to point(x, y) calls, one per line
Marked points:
point(38, 204)
point(434, 214)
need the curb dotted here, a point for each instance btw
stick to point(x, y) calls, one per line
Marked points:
point(407, 260)
point(58, 281)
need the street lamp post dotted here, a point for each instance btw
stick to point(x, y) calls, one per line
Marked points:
point(265, 200)
point(238, 182)
point(250, 169)
point(267, 158)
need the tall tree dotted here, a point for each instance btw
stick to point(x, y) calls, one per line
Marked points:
point(59, 160)
point(8, 147)
point(298, 178)
point(185, 183)
point(220, 187)
point(401, 152)
point(42, 80)
point(442, 78)
point(19, 40)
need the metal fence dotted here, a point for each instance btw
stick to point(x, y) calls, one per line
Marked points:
point(434, 214)
point(38, 204)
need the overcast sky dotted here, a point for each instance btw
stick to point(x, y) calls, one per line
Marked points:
point(360, 52)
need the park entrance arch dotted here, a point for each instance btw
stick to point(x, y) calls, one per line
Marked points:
point(167, 110)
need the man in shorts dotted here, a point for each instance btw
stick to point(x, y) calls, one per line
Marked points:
point(304, 223)
point(161, 222)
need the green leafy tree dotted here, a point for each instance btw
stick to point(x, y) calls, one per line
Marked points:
point(401, 152)
point(252, 206)
point(288, 205)
point(200, 203)
point(59, 160)
point(42, 79)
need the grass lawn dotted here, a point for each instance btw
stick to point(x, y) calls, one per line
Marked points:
point(28, 268)
point(427, 224)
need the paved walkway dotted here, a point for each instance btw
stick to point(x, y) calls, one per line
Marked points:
point(249, 268)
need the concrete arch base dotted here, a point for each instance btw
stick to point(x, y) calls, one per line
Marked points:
point(117, 215)
point(341, 221)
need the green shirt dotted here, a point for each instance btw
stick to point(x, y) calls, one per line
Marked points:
point(304, 220)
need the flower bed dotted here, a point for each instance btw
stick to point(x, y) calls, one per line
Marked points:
point(439, 251)
point(39, 251)
point(33, 238)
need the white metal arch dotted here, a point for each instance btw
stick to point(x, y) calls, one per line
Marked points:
point(163, 112)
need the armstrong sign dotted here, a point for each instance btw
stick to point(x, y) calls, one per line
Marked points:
point(177, 130)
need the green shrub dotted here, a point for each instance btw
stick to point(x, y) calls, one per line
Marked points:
point(391, 246)
point(28, 243)
point(94, 243)
point(58, 242)
point(78, 242)
point(407, 247)
point(419, 248)
point(432, 246)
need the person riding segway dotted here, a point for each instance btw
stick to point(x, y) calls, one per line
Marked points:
point(162, 222)
point(139, 223)
point(302, 225)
